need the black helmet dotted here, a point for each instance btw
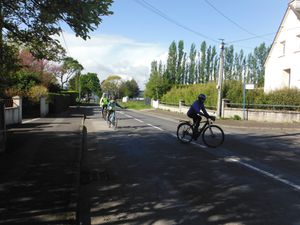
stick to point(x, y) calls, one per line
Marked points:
point(202, 97)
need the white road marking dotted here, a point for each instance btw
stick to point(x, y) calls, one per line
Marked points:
point(29, 121)
point(273, 176)
point(139, 120)
point(158, 128)
point(237, 160)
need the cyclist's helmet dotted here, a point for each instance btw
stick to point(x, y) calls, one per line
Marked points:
point(201, 98)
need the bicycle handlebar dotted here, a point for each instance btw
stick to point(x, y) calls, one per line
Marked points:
point(213, 118)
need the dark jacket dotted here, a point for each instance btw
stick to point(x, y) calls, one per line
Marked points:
point(196, 108)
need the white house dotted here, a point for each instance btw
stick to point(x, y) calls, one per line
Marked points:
point(282, 66)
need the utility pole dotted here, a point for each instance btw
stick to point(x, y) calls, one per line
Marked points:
point(219, 86)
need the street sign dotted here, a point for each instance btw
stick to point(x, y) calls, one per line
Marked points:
point(249, 86)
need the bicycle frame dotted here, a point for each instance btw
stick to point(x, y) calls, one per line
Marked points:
point(205, 123)
point(212, 135)
point(112, 117)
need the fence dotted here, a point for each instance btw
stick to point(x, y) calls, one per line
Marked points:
point(287, 116)
point(264, 106)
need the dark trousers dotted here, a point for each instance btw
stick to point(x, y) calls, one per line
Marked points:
point(196, 120)
point(103, 107)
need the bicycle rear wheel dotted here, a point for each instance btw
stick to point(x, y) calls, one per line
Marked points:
point(213, 136)
point(104, 114)
point(185, 132)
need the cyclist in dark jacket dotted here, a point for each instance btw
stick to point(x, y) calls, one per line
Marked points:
point(195, 113)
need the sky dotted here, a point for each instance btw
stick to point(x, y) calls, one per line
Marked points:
point(140, 31)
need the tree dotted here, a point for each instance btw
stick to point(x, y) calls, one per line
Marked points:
point(192, 65)
point(261, 53)
point(129, 88)
point(251, 69)
point(22, 81)
point(180, 66)
point(211, 63)
point(90, 84)
point(228, 64)
point(203, 76)
point(69, 68)
point(41, 67)
point(35, 23)
point(157, 84)
point(111, 85)
point(171, 63)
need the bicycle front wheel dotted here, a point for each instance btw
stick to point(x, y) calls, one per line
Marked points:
point(113, 119)
point(213, 136)
point(185, 132)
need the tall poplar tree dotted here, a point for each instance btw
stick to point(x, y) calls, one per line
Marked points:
point(184, 70)
point(192, 64)
point(208, 63)
point(172, 63)
point(213, 63)
point(202, 74)
point(228, 64)
point(260, 53)
point(179, 66)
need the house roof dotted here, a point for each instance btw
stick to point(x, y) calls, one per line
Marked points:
point(279, 29)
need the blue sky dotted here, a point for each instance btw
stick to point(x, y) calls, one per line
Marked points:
point(140, 31)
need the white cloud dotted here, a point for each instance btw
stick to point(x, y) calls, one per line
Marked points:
point(117, 55)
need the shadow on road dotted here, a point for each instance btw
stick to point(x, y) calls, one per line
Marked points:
point(145, 177)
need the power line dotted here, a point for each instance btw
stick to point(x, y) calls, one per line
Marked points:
point(250, 38)
point(153, 9)
point(259, 36)
point(230, 20)
point(63, 37)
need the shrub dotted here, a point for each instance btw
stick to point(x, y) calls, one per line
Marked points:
point(12, 91)
point(232, 90)
point(36, 92)
point(236, 117)
point(189, 93)
point(284, 97)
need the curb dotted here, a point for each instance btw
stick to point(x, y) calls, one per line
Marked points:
point(81, 152)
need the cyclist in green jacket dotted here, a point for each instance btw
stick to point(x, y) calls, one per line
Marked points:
point(103, 102)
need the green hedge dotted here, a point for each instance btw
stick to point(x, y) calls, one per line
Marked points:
point(189, 93)
point(232, 90)
point(59, 102)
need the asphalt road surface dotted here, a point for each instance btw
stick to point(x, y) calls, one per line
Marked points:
point(141, 174)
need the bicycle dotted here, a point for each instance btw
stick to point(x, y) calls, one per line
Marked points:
point(104, 113)
point(112, 120)
point(212, 135)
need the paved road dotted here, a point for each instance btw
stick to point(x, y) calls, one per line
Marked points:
point(141, 174)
